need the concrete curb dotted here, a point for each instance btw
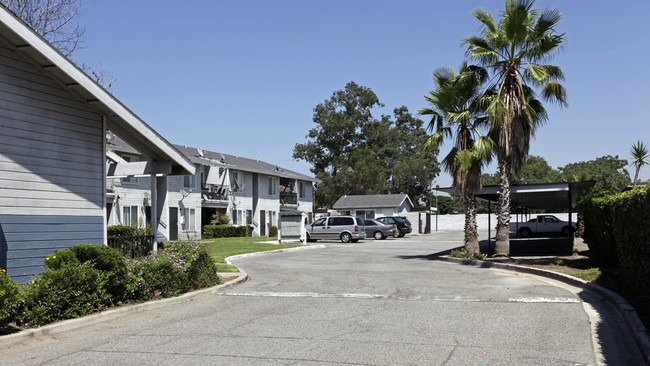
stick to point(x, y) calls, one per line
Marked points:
point(626, 310)
point(113, 313)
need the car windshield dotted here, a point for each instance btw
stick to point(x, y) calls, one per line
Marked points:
point(406, 220)
point(398, 219)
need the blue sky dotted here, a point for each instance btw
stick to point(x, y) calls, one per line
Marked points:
point(243, 77)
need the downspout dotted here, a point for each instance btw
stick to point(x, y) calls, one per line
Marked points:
point(104, 200)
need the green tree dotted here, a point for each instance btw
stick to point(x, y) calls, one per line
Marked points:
point(607, 171)
point(640, 157)
point(514, 48)
point(352, 152)
point(453, 107)
point(534, 170)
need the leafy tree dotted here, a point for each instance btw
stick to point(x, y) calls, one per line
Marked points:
point(55, 20)
point(455, 114)
point(640, 157)
point(514, 49)
point(534, 170)
point(607, 171)
point(352, 152)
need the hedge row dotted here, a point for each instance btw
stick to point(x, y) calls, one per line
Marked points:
point(124, 230)
point(225, 231)
point(618, 229)
point(87, 278)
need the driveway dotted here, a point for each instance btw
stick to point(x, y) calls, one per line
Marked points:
point(382, 302)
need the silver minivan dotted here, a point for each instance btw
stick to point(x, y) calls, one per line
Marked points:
point(344, 228)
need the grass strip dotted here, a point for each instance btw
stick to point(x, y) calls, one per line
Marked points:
point(222, 248)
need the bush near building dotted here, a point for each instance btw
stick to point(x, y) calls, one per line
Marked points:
point(87, 278)
point(225, 231)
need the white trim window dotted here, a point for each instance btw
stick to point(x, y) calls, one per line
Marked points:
point(273, 186)
point(189, 181)
point(190, 219)
point(130, 215)
point(302, 189)
point(237, 181)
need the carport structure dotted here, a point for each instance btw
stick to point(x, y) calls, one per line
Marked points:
point(547, 196)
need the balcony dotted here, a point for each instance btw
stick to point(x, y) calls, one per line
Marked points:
point(214, 193)
point(288, 198)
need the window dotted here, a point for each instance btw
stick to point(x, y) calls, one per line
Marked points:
point(238, 217)
point(341, 221)
point(130, 215)
point(190, 219)
point(273, 186)
point(302, 189)
point(319, 222)
point(188, 181)
point(237, 181)
point(272, 218)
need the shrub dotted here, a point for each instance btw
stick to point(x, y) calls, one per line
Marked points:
point(595, 209)
point(467, 254)
point(273, 230)
point(225, 231)
point(100, 257)
point(69, 292)
point(177, 268)
point(125, 230)
point(8, 297)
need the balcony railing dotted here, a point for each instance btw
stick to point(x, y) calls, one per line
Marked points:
point(132, 246)
point(215, 193)
point(288, 198)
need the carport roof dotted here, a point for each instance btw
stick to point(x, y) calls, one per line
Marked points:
point(539, 196)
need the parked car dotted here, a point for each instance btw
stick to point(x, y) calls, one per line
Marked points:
point(542, 224)
point(402, 223)
point(378, 230)
point(344, 228)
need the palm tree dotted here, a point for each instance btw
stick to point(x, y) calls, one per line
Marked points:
point(515, 49)
point(640, 156)
point(454, 114)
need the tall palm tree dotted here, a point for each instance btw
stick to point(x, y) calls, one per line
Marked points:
point(454, 114)
point(640, 157)
point(515, 49)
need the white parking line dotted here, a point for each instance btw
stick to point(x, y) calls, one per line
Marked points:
point(412, 298)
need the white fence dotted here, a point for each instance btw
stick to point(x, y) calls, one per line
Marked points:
point(457, 222)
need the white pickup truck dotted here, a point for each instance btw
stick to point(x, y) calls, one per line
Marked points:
point(542, 224)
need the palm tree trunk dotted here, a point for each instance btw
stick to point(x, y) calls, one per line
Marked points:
point(502, 247)
point(636, 175)
point(471, 228)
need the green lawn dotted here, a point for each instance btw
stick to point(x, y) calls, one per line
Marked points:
point(222, 248)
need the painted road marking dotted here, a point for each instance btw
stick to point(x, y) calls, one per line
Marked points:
point(407, 298)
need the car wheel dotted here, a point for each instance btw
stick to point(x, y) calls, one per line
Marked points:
point(378, 235)
point(401, 235)
point(396, 235)
point(355, 240)
point(346, 237)
point(565, 231)
point(524, 232)
point(310, 240)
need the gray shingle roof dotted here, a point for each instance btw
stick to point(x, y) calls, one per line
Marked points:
point(239, 163)
point(371, 201)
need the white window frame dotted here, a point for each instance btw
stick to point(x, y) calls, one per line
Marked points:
point(130, 212)
point(190, 219)
point(273, 186)
point(189, 181)
point(302, 190)
point(238, 178)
